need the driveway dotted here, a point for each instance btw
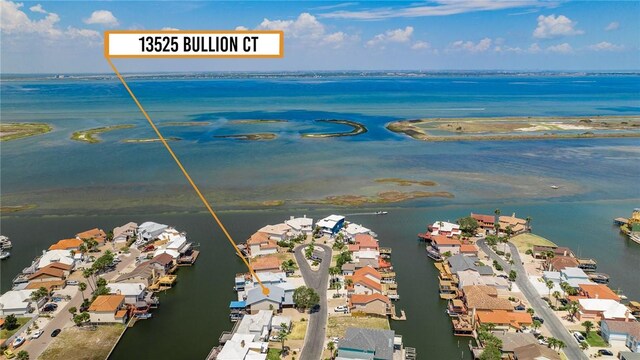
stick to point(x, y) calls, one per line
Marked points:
point(551, 321)
point(317, 280)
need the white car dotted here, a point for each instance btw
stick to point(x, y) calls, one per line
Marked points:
point(342, 309)
point(36, 334)
point(18, 341)
point(579, 337)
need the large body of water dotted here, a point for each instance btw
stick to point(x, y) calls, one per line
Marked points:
point(78, 186)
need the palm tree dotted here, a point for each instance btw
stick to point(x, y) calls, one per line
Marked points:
point(549, 285)
point(553, 342)
point(572, 309)
point(530, 311)
point(528, 219)
point(73, 311)
point(588, 325)
point(331, 347)
point(561, 345)
point(348, 282)
point(557, 295)
point(536, 324)
point(82, 286)
point(282, 334)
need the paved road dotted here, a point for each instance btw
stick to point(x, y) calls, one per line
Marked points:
point(318, 280)
point(551, 321)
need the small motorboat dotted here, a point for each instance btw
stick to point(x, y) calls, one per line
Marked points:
point(4, 255)
point(555, 187)
point(381, 213)
point(5, 243)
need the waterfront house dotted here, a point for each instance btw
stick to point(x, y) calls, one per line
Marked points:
point(242, 347)
point(96, 234)
point(561, 262)
point(377, 304)
point(348, 269)
point(535, 352)
point(48, 277)
point(622, 332)
point(359, 343)
point(595, 291)
point(512, 341)
point(370, 273)
point(460, 262)
point(443, 244)
point(148, 231)
point(517, 225)
point(257, 301)
point(482, 297)
point(331, 224)
point(260, 244)
point(277, 232)
point(351, 230)
point(265, 263)
point(504, 319)
point(365, 247)
point(143, 273)
point(67, 244)
point(485, 222)
point(133, 292)
point(363, 285)
point(163, 263)
point(300, 226)
point(257, 325)
point(574, 276)
point(540, 251)
point(108, 309)
point(602, 309)
point(55, 256)
point(469, 249)
point(444, 228)
point(176, 241)
point(125, 232)
point(16, 302)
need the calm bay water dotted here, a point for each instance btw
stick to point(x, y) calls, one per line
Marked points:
point(78, 186)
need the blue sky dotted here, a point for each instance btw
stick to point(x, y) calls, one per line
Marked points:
point(62, 37)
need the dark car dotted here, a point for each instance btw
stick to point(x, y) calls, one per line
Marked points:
point(49, 307)
point(564, 301)
point(541, 320)
point(315, 309)
point(55, 332)
point(605, 352)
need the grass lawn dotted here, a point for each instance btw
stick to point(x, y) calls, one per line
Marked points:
point(83, 344)
point(298, 331)
point(595, 340)
point(337, 325)
point(526, 241)
point(5, 334)
point(273, 354)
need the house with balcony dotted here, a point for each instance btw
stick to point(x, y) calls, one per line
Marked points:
point(108, 309)
point(260, 244)
point(377, 304)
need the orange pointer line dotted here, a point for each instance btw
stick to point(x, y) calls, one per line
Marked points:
point(265, 290)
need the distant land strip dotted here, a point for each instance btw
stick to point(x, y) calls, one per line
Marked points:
point(91, 136)
point(150, 140)
point(406, 182)
point(257, 121)
point(358, 129)
point(252, 137)
point(16, 208)
point(14, 131)
point(185, 123)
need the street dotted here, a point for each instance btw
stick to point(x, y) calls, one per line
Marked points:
point(572, 350)
point(318, 280)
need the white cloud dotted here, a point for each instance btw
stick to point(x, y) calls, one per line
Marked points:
point(167, 28)
point(16, 22)
point(605, 46)
point(420, 45)
point(241, 28)
point(563, 48)
point(307, 28)
point(555, 26)
point(470, 46)
point(396, 35)
point(38, 8)
point(534, 48)
point(440, 8)
point(102, 17)
point(612, 26)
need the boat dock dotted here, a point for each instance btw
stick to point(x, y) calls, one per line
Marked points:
point(189, 260)
point(394, 316)
point(620, 221)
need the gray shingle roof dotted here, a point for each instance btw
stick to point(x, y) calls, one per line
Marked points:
point(255, 295)
point(461, 262)
point(378, 341)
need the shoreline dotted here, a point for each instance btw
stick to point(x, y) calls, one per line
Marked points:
point(15, 131)
point(358, 129)
point(91, 136)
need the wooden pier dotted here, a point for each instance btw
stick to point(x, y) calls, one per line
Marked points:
point(189, 260)
point(394, 316)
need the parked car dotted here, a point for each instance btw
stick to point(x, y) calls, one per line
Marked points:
point(9, 354)
point(36, 334)
point(49, 307)
point(55, 332)
point(116, 260)
point(542, 341)
point(605, 352)
point(274, 338)
point(564, 301)
point(73, 282)
point(18, 341)
point(520, 307)
point(342, 309)
point(541, 320)
point(579, 337)
point(503, 276)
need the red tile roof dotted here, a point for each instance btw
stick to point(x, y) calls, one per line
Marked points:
point(366, 240)
point(66, 244)
point(96, 234)
point(443, 240)
point(598, 291)
point(366, 282)
point(107, 303)
point(265, 263)
point(258, 238)
point(368, 270)
point(484, 218)
point(365, 299)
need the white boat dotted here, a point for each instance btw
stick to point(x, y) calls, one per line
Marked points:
point(5, 243)
point(635, 236)
point(4, 255)
point(381, 213)
point(555, 187)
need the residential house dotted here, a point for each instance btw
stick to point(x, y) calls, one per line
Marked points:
point(504, 319)
point(444, 228)
point(49, 277)
point(125, 232)
point(148, 231)
point(176, 241)
point(540, 251)
point(348, 269)
point(364, 285)
point(359, 343)
point(108, 309)
point(277, 232)
point(242, 347)
point(574, 276)
point(55, 256)
point(368, 272)
point(595, 291)
point(602, 309)
point(485, 222)
point(482, 297)
point(133, 292)
point(280, 322)
point(559, 263)
point(256, 300)
point(16, 302)
point(260, 244)
point(628, 355)
point(512, 341)
point(143, 273)
point(365, 247)
point(469, 249)
point(517, 225)
point(96, 234)
point(622, 332)
point(163, 263)
point(302, 225)
point(377, 304)
point(258, 325)
point(444, 244)
point(331, 224)
point(535, 352)
point(351, 230)
point(265, 263)
point(67, 244)
point(460, 262)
